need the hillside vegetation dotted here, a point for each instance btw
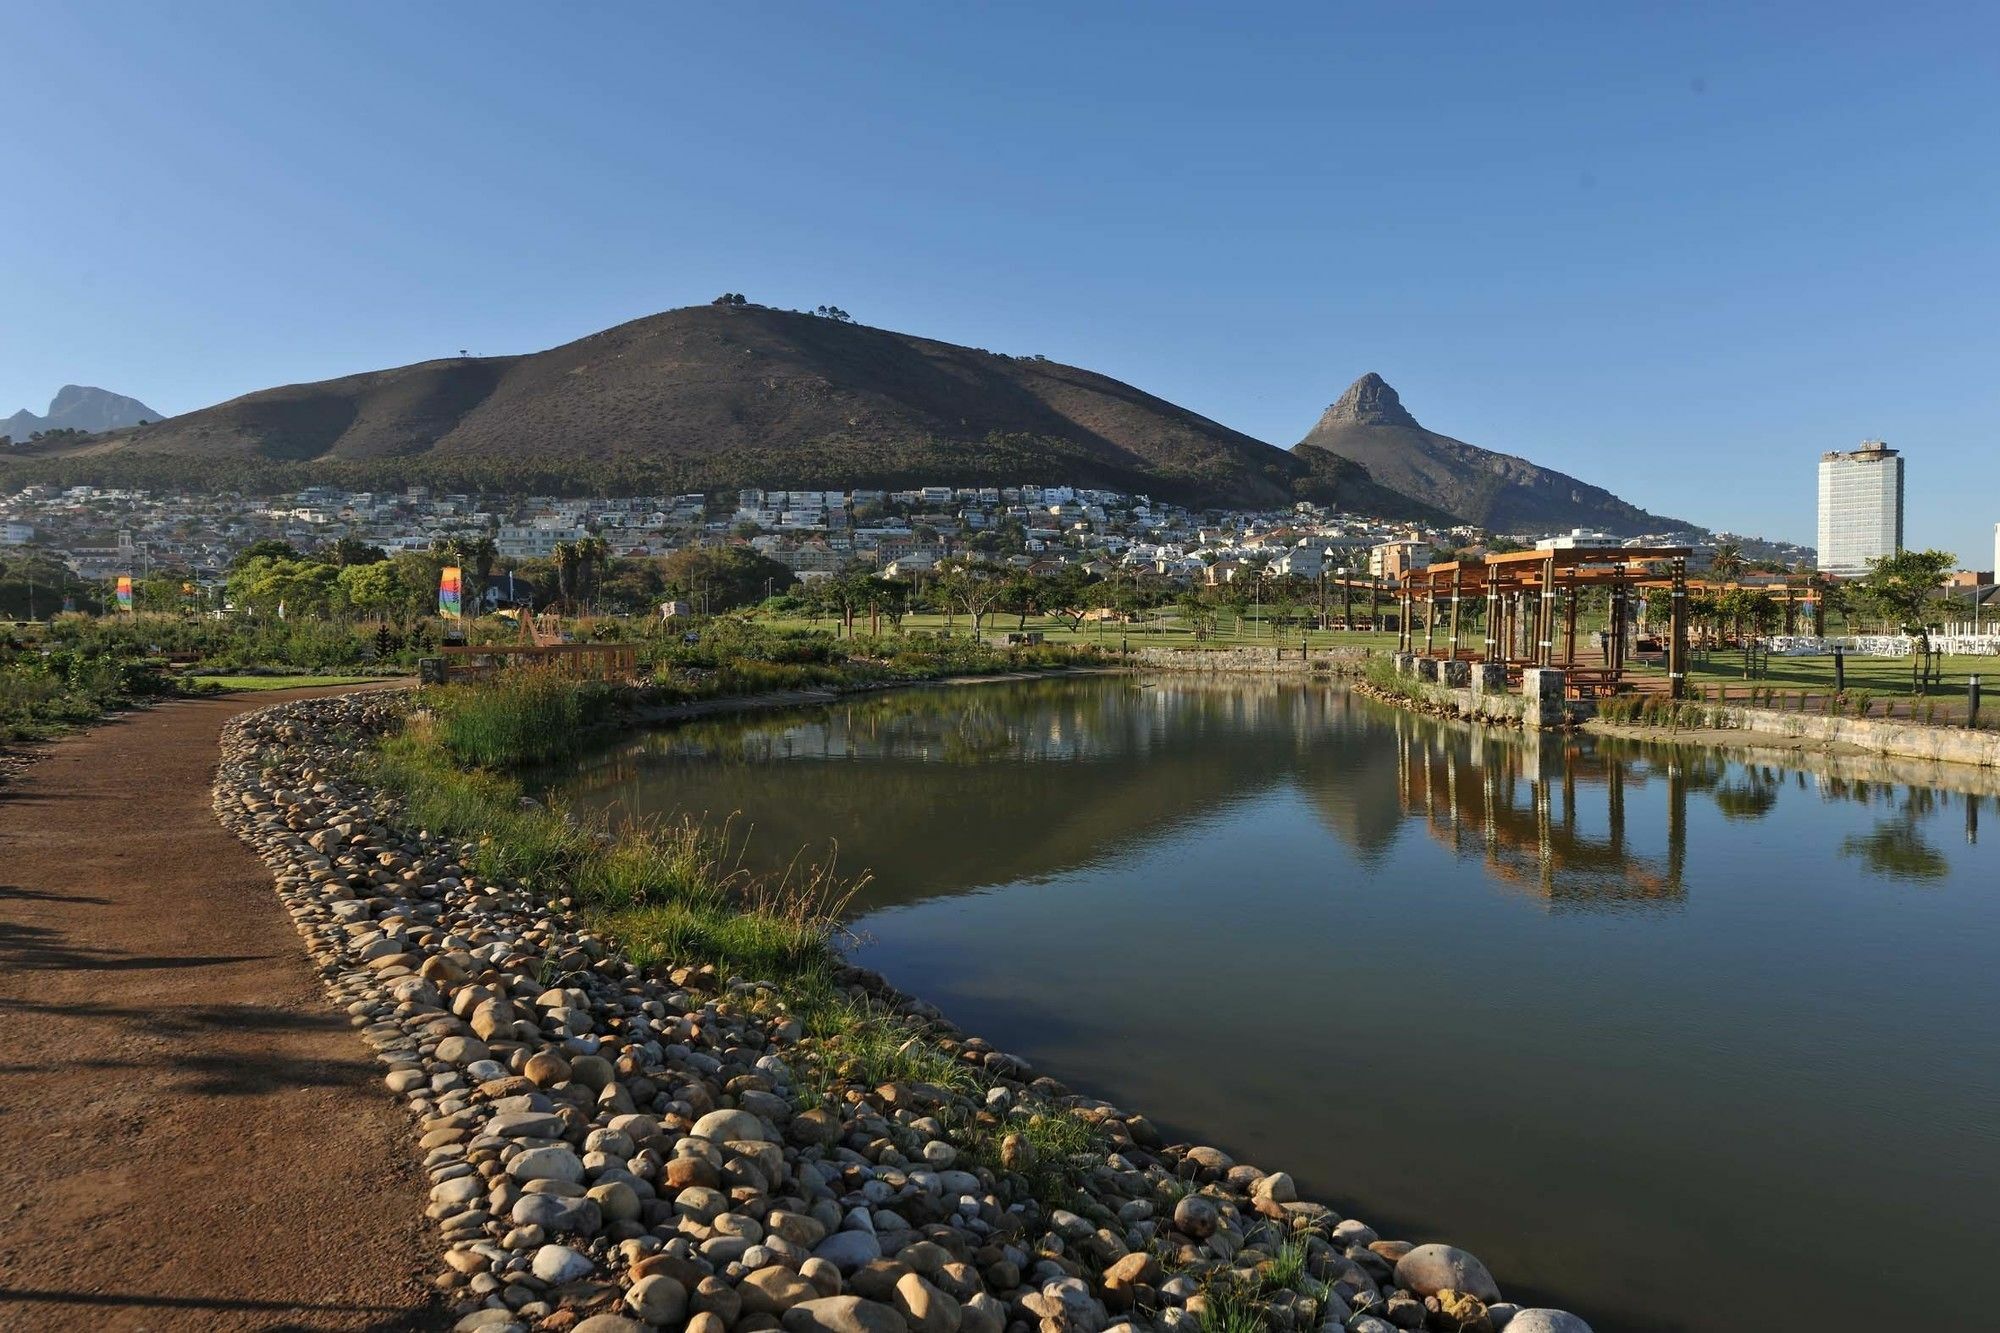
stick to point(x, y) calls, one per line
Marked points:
point(713, 397)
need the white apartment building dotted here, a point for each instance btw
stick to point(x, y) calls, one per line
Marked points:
point(1860, 507)
point(1577, 538)
point(1304, 561)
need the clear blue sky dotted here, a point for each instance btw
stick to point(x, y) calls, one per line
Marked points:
point(1677, 250)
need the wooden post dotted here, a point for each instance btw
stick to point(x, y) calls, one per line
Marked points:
point(1569, 636)
point(1492, 610)
point(1546, 637)
point(1457, 579)
point(1430, 612)
point(1403, 643)
point(1621, 610)
point(1677, 646)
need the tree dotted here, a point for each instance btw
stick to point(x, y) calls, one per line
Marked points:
point(373, 589)
point(1069, 595)
point(1902, 588)
point(594, 557)
point(264, 584)
point(1021, 594)
point(893, 596)
point(268, 548)
point(971, 587)
point(484, 554)
point(352, 551)
point(1196, 613)
point(848, 592)
point(416, 583)
point(160, 593)
point(723, 578)
point(569, 561)
point(1726, 562)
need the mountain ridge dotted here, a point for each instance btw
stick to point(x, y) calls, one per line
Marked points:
point(733, 394)
point(79, 407)
point(726, 395)
point(1369, 425)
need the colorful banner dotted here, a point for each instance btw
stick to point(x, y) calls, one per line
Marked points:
point(124, 592)
point(448, 592)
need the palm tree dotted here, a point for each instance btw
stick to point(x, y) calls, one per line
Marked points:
point(595, 555)
point(1726, 562)
point(568, 558)
point(484, 555)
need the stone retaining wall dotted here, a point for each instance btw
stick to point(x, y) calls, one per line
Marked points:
point(1254, 661)
point(1951, 745)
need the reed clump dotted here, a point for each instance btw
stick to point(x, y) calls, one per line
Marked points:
point(671, 891)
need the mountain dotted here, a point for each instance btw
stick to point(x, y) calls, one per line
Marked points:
point(714, 397)
point(79, 407)
point(1369, 425)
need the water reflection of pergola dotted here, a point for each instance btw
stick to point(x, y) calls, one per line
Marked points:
point(1538, 843)
point(1530, 601)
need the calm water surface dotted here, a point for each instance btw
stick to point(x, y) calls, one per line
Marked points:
point(1679, 1041)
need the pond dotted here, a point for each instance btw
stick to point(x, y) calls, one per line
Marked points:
point(1673, 1038)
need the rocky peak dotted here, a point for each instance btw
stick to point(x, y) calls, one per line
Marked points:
point(1369, 401)
point(80, 407)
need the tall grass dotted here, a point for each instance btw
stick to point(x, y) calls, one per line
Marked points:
point(516, 717)
point(671, 893)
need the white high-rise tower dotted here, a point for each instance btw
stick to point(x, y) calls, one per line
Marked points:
point(1860, 507)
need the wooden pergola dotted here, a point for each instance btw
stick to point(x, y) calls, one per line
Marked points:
point(1531, 600)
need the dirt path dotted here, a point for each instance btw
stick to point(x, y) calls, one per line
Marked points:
point(190, 1137)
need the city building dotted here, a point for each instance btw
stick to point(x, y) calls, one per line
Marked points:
point(1391, 560)
point(1577, 537)
point(1860, 507)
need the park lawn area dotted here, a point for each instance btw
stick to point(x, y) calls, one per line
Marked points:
point(1795, 682)
point(232, 683)
point(1161, 629)
point(1879, 675)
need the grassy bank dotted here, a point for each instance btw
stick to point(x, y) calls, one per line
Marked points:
point(670, 891)
point(676, 894)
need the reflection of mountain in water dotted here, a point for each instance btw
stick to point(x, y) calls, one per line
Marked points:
point(940, 791)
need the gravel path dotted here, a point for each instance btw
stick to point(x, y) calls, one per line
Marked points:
point(190, 1136)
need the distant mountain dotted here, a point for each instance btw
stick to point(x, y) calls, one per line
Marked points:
point(719, 396)
point(1369, 425)
point(79, 407)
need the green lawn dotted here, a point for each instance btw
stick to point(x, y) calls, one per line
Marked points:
point(1161, 629)
point(1888, 679)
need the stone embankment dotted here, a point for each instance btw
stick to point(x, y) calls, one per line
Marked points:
point(1899, 740)
point(1253, 661)
point(611, 1150)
